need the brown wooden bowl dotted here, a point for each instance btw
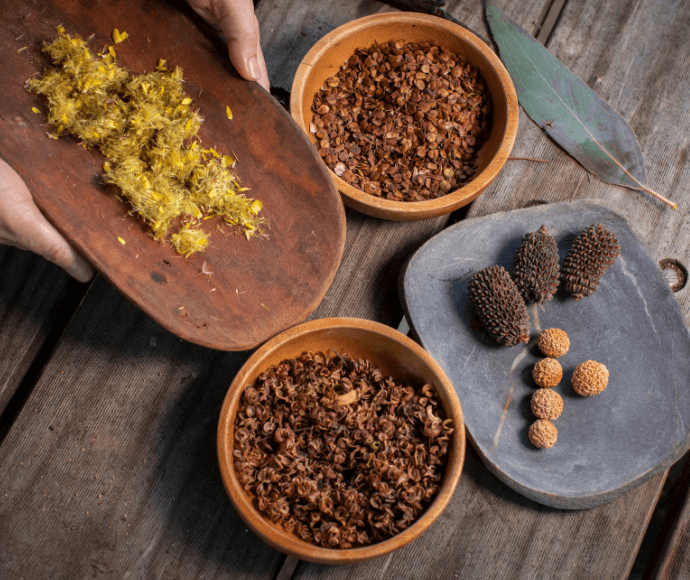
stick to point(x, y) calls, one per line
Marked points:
point(399, 357)
point(327, 56)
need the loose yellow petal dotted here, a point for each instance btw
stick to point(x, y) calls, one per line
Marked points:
point(186, 101)
point(119, 239)
point(35, 110)
point(119, 36)
point(228, 112)
point(161, 64)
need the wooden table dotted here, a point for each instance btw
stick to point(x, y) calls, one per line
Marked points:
point(107, 452)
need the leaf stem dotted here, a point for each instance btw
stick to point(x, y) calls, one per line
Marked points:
point(529, 159)
point(660, 197)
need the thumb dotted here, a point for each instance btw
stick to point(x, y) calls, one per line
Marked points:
point(23, 225)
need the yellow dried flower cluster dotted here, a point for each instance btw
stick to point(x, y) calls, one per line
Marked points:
point(147, 128)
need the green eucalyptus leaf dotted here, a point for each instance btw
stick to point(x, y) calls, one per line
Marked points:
point(569, 111)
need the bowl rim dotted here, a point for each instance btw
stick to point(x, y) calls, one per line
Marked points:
point(289, 543)
point(406, 210)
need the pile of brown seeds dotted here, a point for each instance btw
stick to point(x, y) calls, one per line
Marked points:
point(336, 452)
point(403, 121)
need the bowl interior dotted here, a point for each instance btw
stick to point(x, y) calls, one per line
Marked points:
point(400, 358)
point(331, 52)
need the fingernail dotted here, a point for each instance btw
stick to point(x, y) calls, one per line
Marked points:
point(81, 271)
point(254, 70)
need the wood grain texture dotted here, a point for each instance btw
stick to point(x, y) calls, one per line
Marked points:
point(258, 288)
point(491, 532)
point(33, 294)
point(670, 558)
point(488, 531)
point(111, 470)
point(148, 439)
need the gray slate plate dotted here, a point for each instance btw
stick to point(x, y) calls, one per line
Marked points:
point(607, 444)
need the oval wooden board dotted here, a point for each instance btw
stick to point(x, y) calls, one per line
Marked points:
point(257, 288)
point(607, 444)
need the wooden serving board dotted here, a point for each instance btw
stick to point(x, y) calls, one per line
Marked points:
point(607, 444)
point(257, 288)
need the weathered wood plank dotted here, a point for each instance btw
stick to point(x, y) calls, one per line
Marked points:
point(636, 56)
point(110, 468)
point(36, 298)
point(488, 531)
point(670, 557)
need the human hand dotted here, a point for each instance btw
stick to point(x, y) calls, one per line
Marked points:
point(22, 225)
point(239, 26)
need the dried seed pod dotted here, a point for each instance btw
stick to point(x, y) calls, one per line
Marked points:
point(543, 434)
point(546, 404)
point(336, 452)
point(403, 121)
point(535, 267)
point(590, 378)
point(500, 306)
point(591, 254)
point(547, 373)
point(553, 342)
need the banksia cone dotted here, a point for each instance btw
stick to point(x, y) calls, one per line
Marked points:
point(535, 267)
point(592, 252)
point(500, 306)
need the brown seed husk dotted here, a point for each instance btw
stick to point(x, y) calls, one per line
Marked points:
point(338, 470)
point(403, 121)
point(547, 373)
point(553, 342)
point(590, 378)
point(546, 404)
point(543, 434)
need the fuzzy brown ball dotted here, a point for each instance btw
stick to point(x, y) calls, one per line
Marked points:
point(547, 373)
point(547, 404)
point(543, 434)
point(590, 378)
point(553, 342)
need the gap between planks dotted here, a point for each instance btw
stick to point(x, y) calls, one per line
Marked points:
point(75, 294)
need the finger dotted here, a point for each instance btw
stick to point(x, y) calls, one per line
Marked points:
point(22, 225)
point(241, 29)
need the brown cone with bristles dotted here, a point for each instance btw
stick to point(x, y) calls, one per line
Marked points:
point(535, 267)
point(500, 306)
point(591, 254)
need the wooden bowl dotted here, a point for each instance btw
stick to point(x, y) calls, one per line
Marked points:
point(327, 56)
point(399, 357)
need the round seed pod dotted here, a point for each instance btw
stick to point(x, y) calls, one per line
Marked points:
point(547, 373)
point(547, 404)
point(590, 378)
point(543, 434)
point(500, 306)
point(553, 342)
point(535, 267)
point(591, 254)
